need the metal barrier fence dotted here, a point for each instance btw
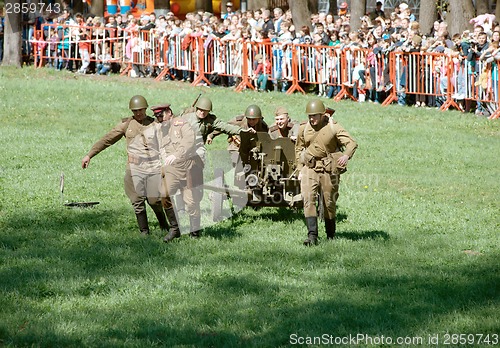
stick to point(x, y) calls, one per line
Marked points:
point(338, 73)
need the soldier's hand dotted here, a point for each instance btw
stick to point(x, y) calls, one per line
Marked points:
point(249, 130)
point(170, 159)
point(85, 162)
point(342, 161)
point(209, 140)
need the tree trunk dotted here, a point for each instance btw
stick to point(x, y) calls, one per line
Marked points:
point(358, 10)
point(12, 47)
point(482, 7)
point(427, 15)
point(301, 13)
point(204, 5)
point(256, 4)
point(459, 14)
point(78, 6)
point(162, 7)
point(97, 8)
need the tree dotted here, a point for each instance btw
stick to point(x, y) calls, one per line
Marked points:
point(97, 8)
point(482, 7)
point(427, 15)
point(162, 7)
point(358, 10)
point(301, 13)
point(12, 53)
point(459, 14)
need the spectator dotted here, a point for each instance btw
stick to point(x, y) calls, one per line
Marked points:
point(268, 22)
point(262, 72)
point(378, 12)
point(84, 50)
point(104, 65)
point(229, 11)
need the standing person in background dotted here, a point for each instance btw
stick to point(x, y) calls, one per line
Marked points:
point(322, 151)
point(142, 175)
point(229, 11)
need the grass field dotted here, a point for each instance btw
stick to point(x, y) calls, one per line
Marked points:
point(416, 258)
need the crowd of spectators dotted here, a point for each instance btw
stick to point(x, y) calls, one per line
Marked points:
point(381, 32)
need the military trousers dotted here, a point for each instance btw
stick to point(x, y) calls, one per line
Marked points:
point(174, 182)
point(311, 184)
point(142, 186)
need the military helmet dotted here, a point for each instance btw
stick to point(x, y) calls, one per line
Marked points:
point(204, 104)
point(253, 111)
point(315, 106)
point(137, 102)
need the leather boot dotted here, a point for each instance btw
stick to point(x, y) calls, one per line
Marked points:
point(142, 221)
point(330, 228)
point(160, 215)
point(174, 231)
point(194, 222)
point(312, 231)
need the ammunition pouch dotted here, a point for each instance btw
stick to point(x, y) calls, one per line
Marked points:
point(307, 159)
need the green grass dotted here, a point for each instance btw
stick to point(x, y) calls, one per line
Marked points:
point(416, 254)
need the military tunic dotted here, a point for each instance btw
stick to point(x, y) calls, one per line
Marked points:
point(208, 124)
point(178, 139)
point(317, 150)
point(290, 131)
point(143, 172)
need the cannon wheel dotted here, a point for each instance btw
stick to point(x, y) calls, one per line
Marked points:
point(217, 198)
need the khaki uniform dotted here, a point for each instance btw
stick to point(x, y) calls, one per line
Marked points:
point(234, 140)
point(290, 131)
point(317, 150)
point(143, 171)
point(178, 139)
point(202, 128)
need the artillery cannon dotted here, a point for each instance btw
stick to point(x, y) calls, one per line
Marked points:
point(265, 176)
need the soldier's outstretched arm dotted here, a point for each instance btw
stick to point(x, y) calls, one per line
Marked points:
point(85, 161)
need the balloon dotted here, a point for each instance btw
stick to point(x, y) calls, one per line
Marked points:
point(175, 8)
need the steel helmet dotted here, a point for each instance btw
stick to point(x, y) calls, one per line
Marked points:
point(253, 111)
point(204, 104)
point(137, 102)
point(315, 106)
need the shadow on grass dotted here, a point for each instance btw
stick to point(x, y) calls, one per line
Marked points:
point(59, 258)
point(355, 236)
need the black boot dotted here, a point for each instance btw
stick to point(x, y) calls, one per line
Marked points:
point(142, 221)
point(160, 215)
point(194, 222)
point(174, 226)
point(312, 231)
point(330, 228)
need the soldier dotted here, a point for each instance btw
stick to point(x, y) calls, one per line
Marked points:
point(178, 149)
point(252, 121)
point(142, 175)
point(322, 151)
point(172, 173)
point(203, 123)
point(283, 127)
